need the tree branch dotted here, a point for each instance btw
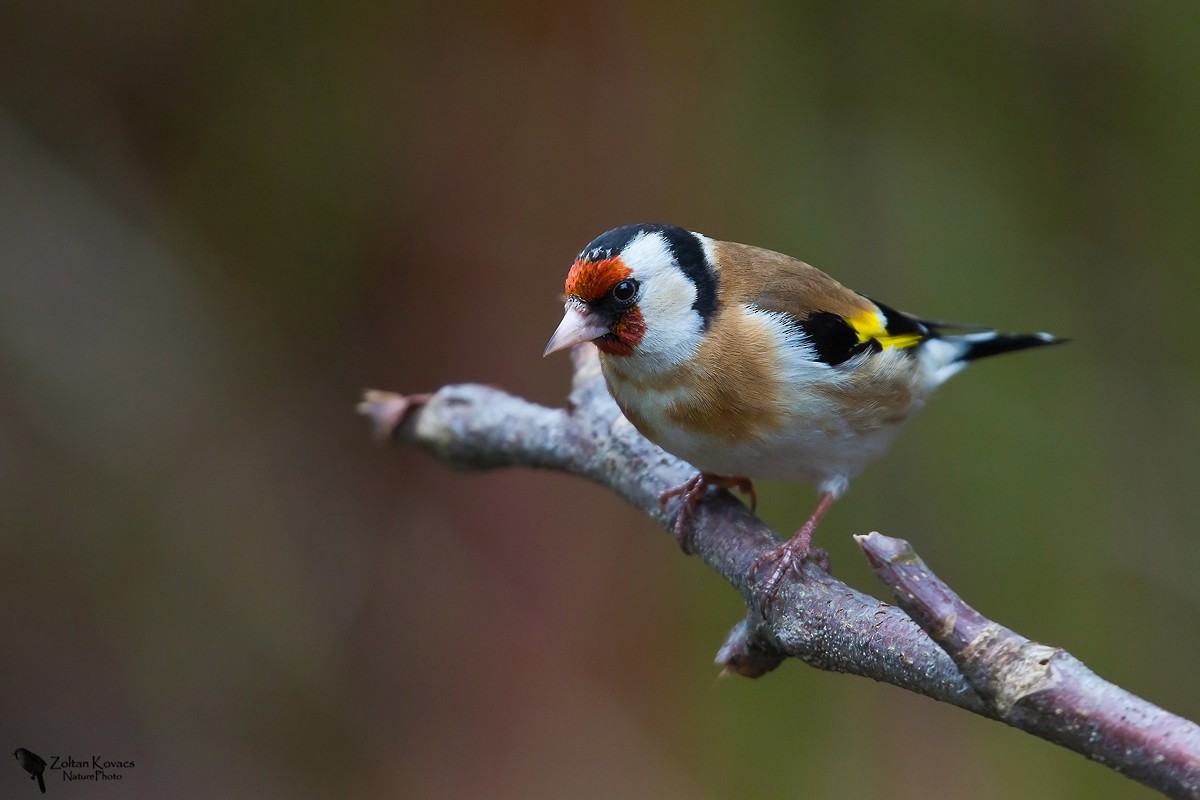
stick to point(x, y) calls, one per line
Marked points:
point(950, 652)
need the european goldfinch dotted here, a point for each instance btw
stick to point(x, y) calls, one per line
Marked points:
point(751, 364)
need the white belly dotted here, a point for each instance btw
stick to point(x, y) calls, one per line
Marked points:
point(815, 439)
point(805, 450)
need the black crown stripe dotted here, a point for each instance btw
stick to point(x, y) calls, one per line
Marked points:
point(686, 249)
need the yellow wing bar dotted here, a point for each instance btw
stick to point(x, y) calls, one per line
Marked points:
point(869, 327)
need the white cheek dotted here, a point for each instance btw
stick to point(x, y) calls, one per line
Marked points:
point(669, 299)
point(673, 327)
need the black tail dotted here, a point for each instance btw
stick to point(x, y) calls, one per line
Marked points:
point(990, 343)
point(41, 783)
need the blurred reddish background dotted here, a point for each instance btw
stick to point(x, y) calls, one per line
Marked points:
point(219, 221)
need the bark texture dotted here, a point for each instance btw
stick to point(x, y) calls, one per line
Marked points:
point(933, 643)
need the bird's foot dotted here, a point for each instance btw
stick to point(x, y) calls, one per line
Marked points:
point(692, 491)
point(790, 555)
point(786, 557)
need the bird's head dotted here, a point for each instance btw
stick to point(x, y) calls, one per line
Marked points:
point(640, 290)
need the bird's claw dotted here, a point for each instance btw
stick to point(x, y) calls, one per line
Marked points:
point(692, 492)
point(788, 556)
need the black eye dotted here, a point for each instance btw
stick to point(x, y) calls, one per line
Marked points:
point(625, 291)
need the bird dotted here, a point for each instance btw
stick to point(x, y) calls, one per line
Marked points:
point(32, 763)
point(750, 364)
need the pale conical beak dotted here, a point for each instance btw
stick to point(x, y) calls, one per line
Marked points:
point(577, 326)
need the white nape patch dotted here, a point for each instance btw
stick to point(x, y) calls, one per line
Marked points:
point(706, 244)
point(674, 328)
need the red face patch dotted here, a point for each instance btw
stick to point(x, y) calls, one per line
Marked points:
point(591, 280)
point(625, 334)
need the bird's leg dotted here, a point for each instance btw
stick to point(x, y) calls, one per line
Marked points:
point(789, 554)
point(692, 491)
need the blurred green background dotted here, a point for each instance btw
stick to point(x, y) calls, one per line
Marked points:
point(219, 220)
